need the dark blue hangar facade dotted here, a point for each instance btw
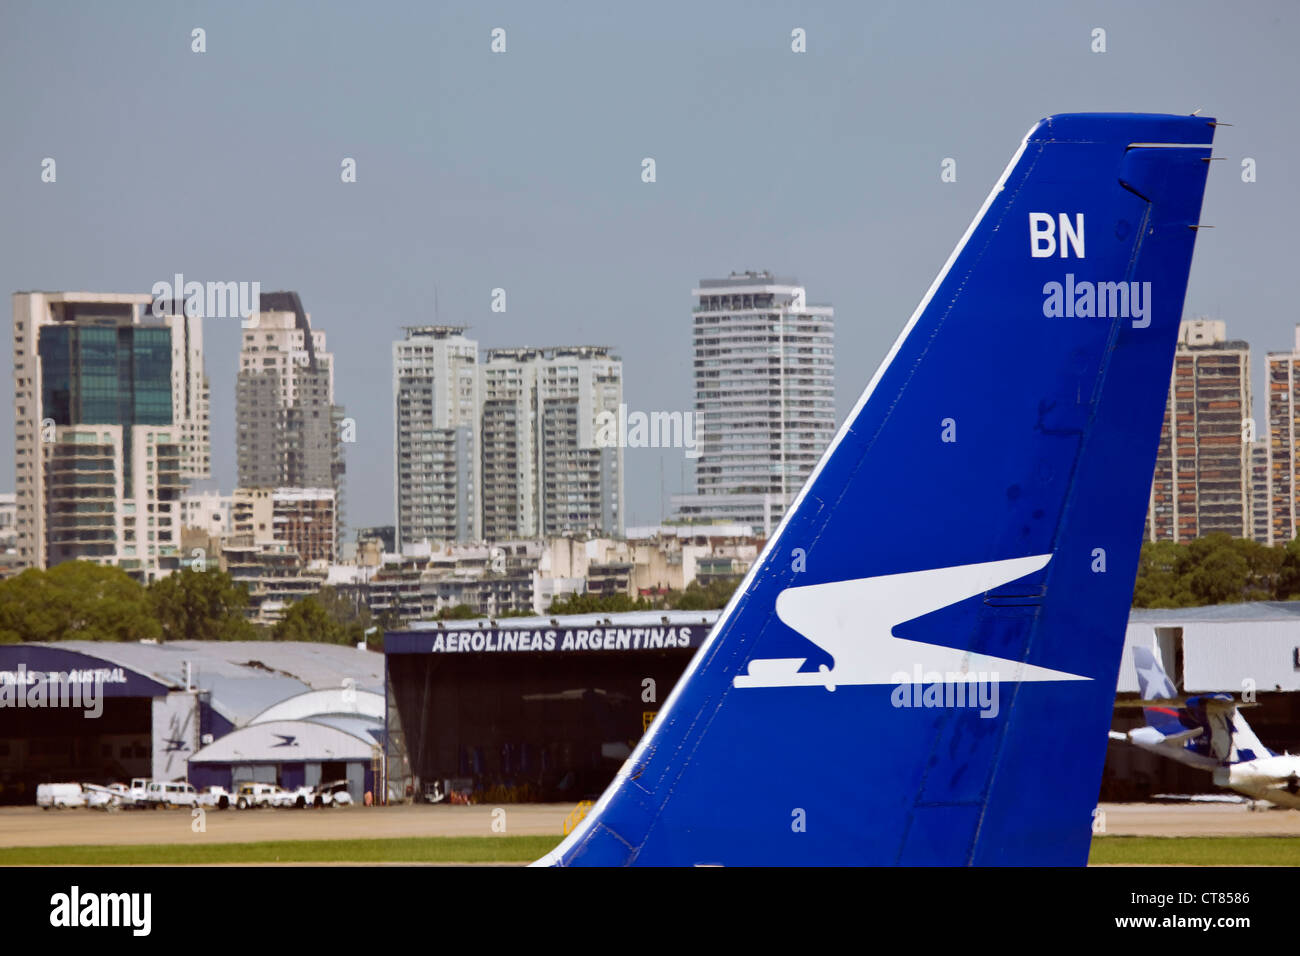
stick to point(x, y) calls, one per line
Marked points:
point(210, 712)
point(523, 709)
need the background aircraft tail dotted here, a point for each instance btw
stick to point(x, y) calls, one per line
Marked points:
point(1154, 684)
point(944, 604)
point(1231, 738)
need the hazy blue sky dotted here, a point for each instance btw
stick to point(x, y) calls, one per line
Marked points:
point(522, 170)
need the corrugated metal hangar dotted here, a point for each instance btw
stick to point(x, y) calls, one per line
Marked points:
point(523, 709)
point(548, 708)
point(189, 709)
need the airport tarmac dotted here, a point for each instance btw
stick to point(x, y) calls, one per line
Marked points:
point(1197, 819)
point(31, 826)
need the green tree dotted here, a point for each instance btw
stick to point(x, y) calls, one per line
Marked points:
point(616, 603)
point(1264, 565)
point(1219, 577)
point(1287, 587)
point(307, 620)
point(76, 600)
point(1215, 569)
point(708, 597)
point(694, 597)
point(1159, 578)
point(388, 620)
point(201, 606)
point(327, 617)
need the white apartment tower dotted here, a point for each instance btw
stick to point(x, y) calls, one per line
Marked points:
point(543, 474)
point(111, 424)
point(764, 397)
point(436, 414)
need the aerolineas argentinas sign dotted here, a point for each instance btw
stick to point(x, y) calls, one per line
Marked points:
point(81, 689)
point(565, 639)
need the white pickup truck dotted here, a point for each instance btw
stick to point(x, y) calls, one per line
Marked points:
point(261, 795)
point(216, 797)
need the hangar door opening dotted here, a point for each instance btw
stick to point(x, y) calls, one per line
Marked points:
point(527, 727)
point(61, 745)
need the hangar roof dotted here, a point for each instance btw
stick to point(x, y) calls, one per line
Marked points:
point(1252, 611)
point(624, 619)
point(287, 741)
point(366, 728)
point(1223, 646)
point(337, 701)
point(244, 677)
point(318, 666)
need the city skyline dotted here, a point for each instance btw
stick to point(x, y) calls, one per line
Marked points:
point(198, 474)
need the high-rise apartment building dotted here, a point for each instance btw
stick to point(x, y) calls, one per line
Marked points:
point(1283, 441)
point(287, 425)
point(111, 423)
point(764, 397)
point(543, 471)
point(436, 416)
point(1202, 480)
point(505, 447)
point(1260, 498)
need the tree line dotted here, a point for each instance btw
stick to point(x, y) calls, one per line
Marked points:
point(693, 597)
point(1216, 569)
point(80, 600)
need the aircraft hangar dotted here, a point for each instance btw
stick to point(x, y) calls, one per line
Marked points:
point(1246, 650)
point(548, 708)
point(103, 712)
point(523, 709)
point(529, 709)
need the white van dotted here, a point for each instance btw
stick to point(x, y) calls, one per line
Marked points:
point(162, 794)
point(59, 795)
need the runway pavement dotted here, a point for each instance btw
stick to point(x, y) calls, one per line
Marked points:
point(1197, 819)
point(31, 826)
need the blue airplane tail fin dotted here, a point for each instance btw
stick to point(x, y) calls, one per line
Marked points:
point(944, 604)
point(1230, 738)
point(1154, 684)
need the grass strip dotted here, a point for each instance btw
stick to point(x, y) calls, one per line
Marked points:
point(1196, 851)
point(447, 849)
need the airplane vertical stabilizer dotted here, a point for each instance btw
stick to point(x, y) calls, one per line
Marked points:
point(942, 611)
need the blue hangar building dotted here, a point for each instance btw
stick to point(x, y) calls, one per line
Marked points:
point(210, 712)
